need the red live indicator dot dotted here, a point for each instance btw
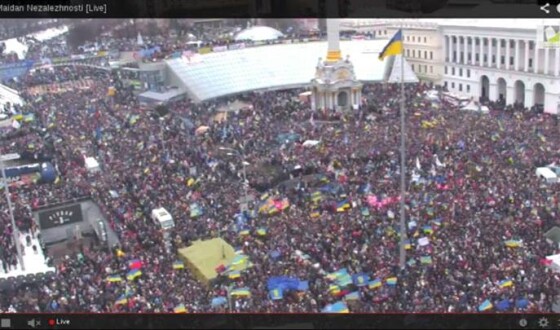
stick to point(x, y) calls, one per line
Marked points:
point(51, 322)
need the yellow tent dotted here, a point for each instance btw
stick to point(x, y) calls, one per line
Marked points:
point(203, 257)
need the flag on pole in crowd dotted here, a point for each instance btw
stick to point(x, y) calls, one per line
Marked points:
point(392, 281)
point(178, 265)
point(334, 289)
point(513, 243)
point(394, 47)
point(234, 275)
point(506, 283)
point(180, 309)
point(133, 274)
point(114, 278)
point(375, 284)
point(122, 300)
point(485, 306)
point(241, 292)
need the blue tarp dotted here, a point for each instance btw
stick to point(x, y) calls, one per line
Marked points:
point(218, 301)
point(284, 283)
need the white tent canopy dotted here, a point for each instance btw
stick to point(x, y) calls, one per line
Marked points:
point(259, 33)
point(471, 106)
point(280, 66)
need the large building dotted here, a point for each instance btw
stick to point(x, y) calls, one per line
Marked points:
point(500, 59)
point(485, 58)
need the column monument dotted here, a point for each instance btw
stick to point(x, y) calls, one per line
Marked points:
point(335, 86)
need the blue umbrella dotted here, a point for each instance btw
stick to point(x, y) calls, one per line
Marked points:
point(521, 303)
point(275, 254)
point(503, 305)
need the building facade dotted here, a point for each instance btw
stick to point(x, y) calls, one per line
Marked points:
point(501, 63)
point(423, 49)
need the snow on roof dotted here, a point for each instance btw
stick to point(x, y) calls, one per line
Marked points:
point(49, 33)
point(277, 67)
point(9, 95)
point(259, 33)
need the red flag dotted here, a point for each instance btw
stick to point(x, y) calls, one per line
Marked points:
point(545, 262)
point(135, 264)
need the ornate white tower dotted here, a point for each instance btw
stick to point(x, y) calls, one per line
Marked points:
point(335, 86)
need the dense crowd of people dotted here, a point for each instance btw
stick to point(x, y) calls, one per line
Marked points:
point(470, 189)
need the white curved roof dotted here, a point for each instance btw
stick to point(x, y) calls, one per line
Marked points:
point(259, 33)
point(280, 66)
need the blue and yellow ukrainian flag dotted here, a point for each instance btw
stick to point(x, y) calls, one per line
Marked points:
point(133, 274)
point(242, 292)
point(178, 265)
point(234, 275)
point(121, 301)
point(114, 278)
point(506, 283)
point(394, 47)
point(375, 284)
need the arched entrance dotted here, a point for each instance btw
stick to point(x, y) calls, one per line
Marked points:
point(538, 94)
point(502, 89)
point(342, 99)
point(519, 91)
point(484, 87)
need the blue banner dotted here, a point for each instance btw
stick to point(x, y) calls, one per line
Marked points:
point(10, 71)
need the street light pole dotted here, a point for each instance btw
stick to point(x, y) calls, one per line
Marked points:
point(15, 231)
point(241, 155)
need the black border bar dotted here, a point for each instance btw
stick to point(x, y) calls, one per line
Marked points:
point(278, 9)
point(270, 321)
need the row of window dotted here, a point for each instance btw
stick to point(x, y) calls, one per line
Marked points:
point(467, 86)
point(485, 57)
point(494, 43)
point(460, 71)
point(422, 68)
point(412, 53)
point(414, 38)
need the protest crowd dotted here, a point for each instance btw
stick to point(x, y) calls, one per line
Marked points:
point(325, 214)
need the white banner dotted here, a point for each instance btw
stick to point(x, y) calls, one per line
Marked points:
point(219, 49)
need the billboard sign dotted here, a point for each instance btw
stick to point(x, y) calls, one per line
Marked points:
point(60, 216)
point(548, 36)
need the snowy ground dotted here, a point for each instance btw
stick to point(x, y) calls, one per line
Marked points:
point(13, 45)
point(34, 262)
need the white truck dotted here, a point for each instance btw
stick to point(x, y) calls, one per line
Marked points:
point(162, 218)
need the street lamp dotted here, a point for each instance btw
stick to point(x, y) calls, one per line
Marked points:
point(241, 155)
point(15, 231)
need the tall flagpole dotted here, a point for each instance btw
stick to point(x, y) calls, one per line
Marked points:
point(402, 257)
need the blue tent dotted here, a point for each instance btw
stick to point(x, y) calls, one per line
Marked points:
point(503, 305)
